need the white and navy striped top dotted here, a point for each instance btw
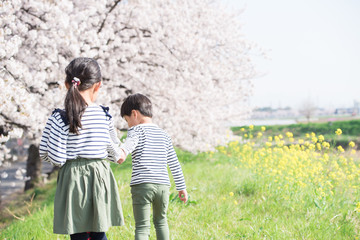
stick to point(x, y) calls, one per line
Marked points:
point(152, 151)
point(97, 138)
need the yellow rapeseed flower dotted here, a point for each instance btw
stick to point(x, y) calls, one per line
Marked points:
point(351, 144)
point(242, 129)
point(313, 134)
point(326, 145)
point(251, 127)
point(357, 207)
point(289, 134)
point(318, 146)
point(298, 166)
point(263, 128)
point(235, 202)
point(338, 132)
point(259, 134)
point(341, 149)
point(280, 143)
point(311, 146)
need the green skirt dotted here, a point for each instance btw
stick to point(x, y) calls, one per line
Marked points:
point(87, 198)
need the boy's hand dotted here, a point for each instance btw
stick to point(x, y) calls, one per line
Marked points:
point(183, 195)
point(121, 160)
point(122, 157)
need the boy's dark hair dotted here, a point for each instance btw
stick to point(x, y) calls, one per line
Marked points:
point(86, 72)
point(138, 102)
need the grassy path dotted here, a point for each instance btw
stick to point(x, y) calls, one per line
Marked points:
point(228, 200)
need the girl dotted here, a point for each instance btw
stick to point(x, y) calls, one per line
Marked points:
point(79, 139)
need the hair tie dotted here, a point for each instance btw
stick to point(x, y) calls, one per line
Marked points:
point(76, 81)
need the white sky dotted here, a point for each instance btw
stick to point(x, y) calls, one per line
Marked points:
point(314, 50)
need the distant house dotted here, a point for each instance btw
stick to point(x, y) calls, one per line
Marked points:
point(344, 111)
point(356, 108)
point(270, 113)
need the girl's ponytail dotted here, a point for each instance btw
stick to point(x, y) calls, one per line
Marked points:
point(81, 74)
point(75, 106)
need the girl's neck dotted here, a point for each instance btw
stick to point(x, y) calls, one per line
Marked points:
point(88, 97)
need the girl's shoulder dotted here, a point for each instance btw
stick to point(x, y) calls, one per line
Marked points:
point(58, 120)
point(106, 111)
point(99, 110)
point(62, 114)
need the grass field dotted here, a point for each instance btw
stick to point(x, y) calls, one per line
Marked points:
point(254, 188)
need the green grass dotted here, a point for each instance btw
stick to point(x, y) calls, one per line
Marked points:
point(349, 127)
point(227, 201)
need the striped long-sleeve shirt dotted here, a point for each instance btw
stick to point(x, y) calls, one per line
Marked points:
point(152, 152)
point(97, 138)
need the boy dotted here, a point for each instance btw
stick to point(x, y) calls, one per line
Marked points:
point(151, 150)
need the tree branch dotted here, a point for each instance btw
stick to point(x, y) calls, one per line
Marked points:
point(30, 89)
point(172, 53)
point(32, 14)
point(9, 121)
point(145, 32)
point(152, 64)
point(111, 9)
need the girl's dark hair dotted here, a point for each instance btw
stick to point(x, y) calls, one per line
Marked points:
point(87, 70)
point(138, 102)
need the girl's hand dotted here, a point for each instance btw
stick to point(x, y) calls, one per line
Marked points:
point(183, 195)
point(122, 157)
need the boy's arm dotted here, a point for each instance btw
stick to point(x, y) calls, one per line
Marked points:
point(176, 172)
point(129, 145)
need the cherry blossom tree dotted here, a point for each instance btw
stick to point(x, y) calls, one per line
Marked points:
point(189, 57)
point(29, 66)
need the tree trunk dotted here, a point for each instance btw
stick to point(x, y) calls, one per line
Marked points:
point(33, 167)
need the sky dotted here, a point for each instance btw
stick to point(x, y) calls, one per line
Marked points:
point(313, 48)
